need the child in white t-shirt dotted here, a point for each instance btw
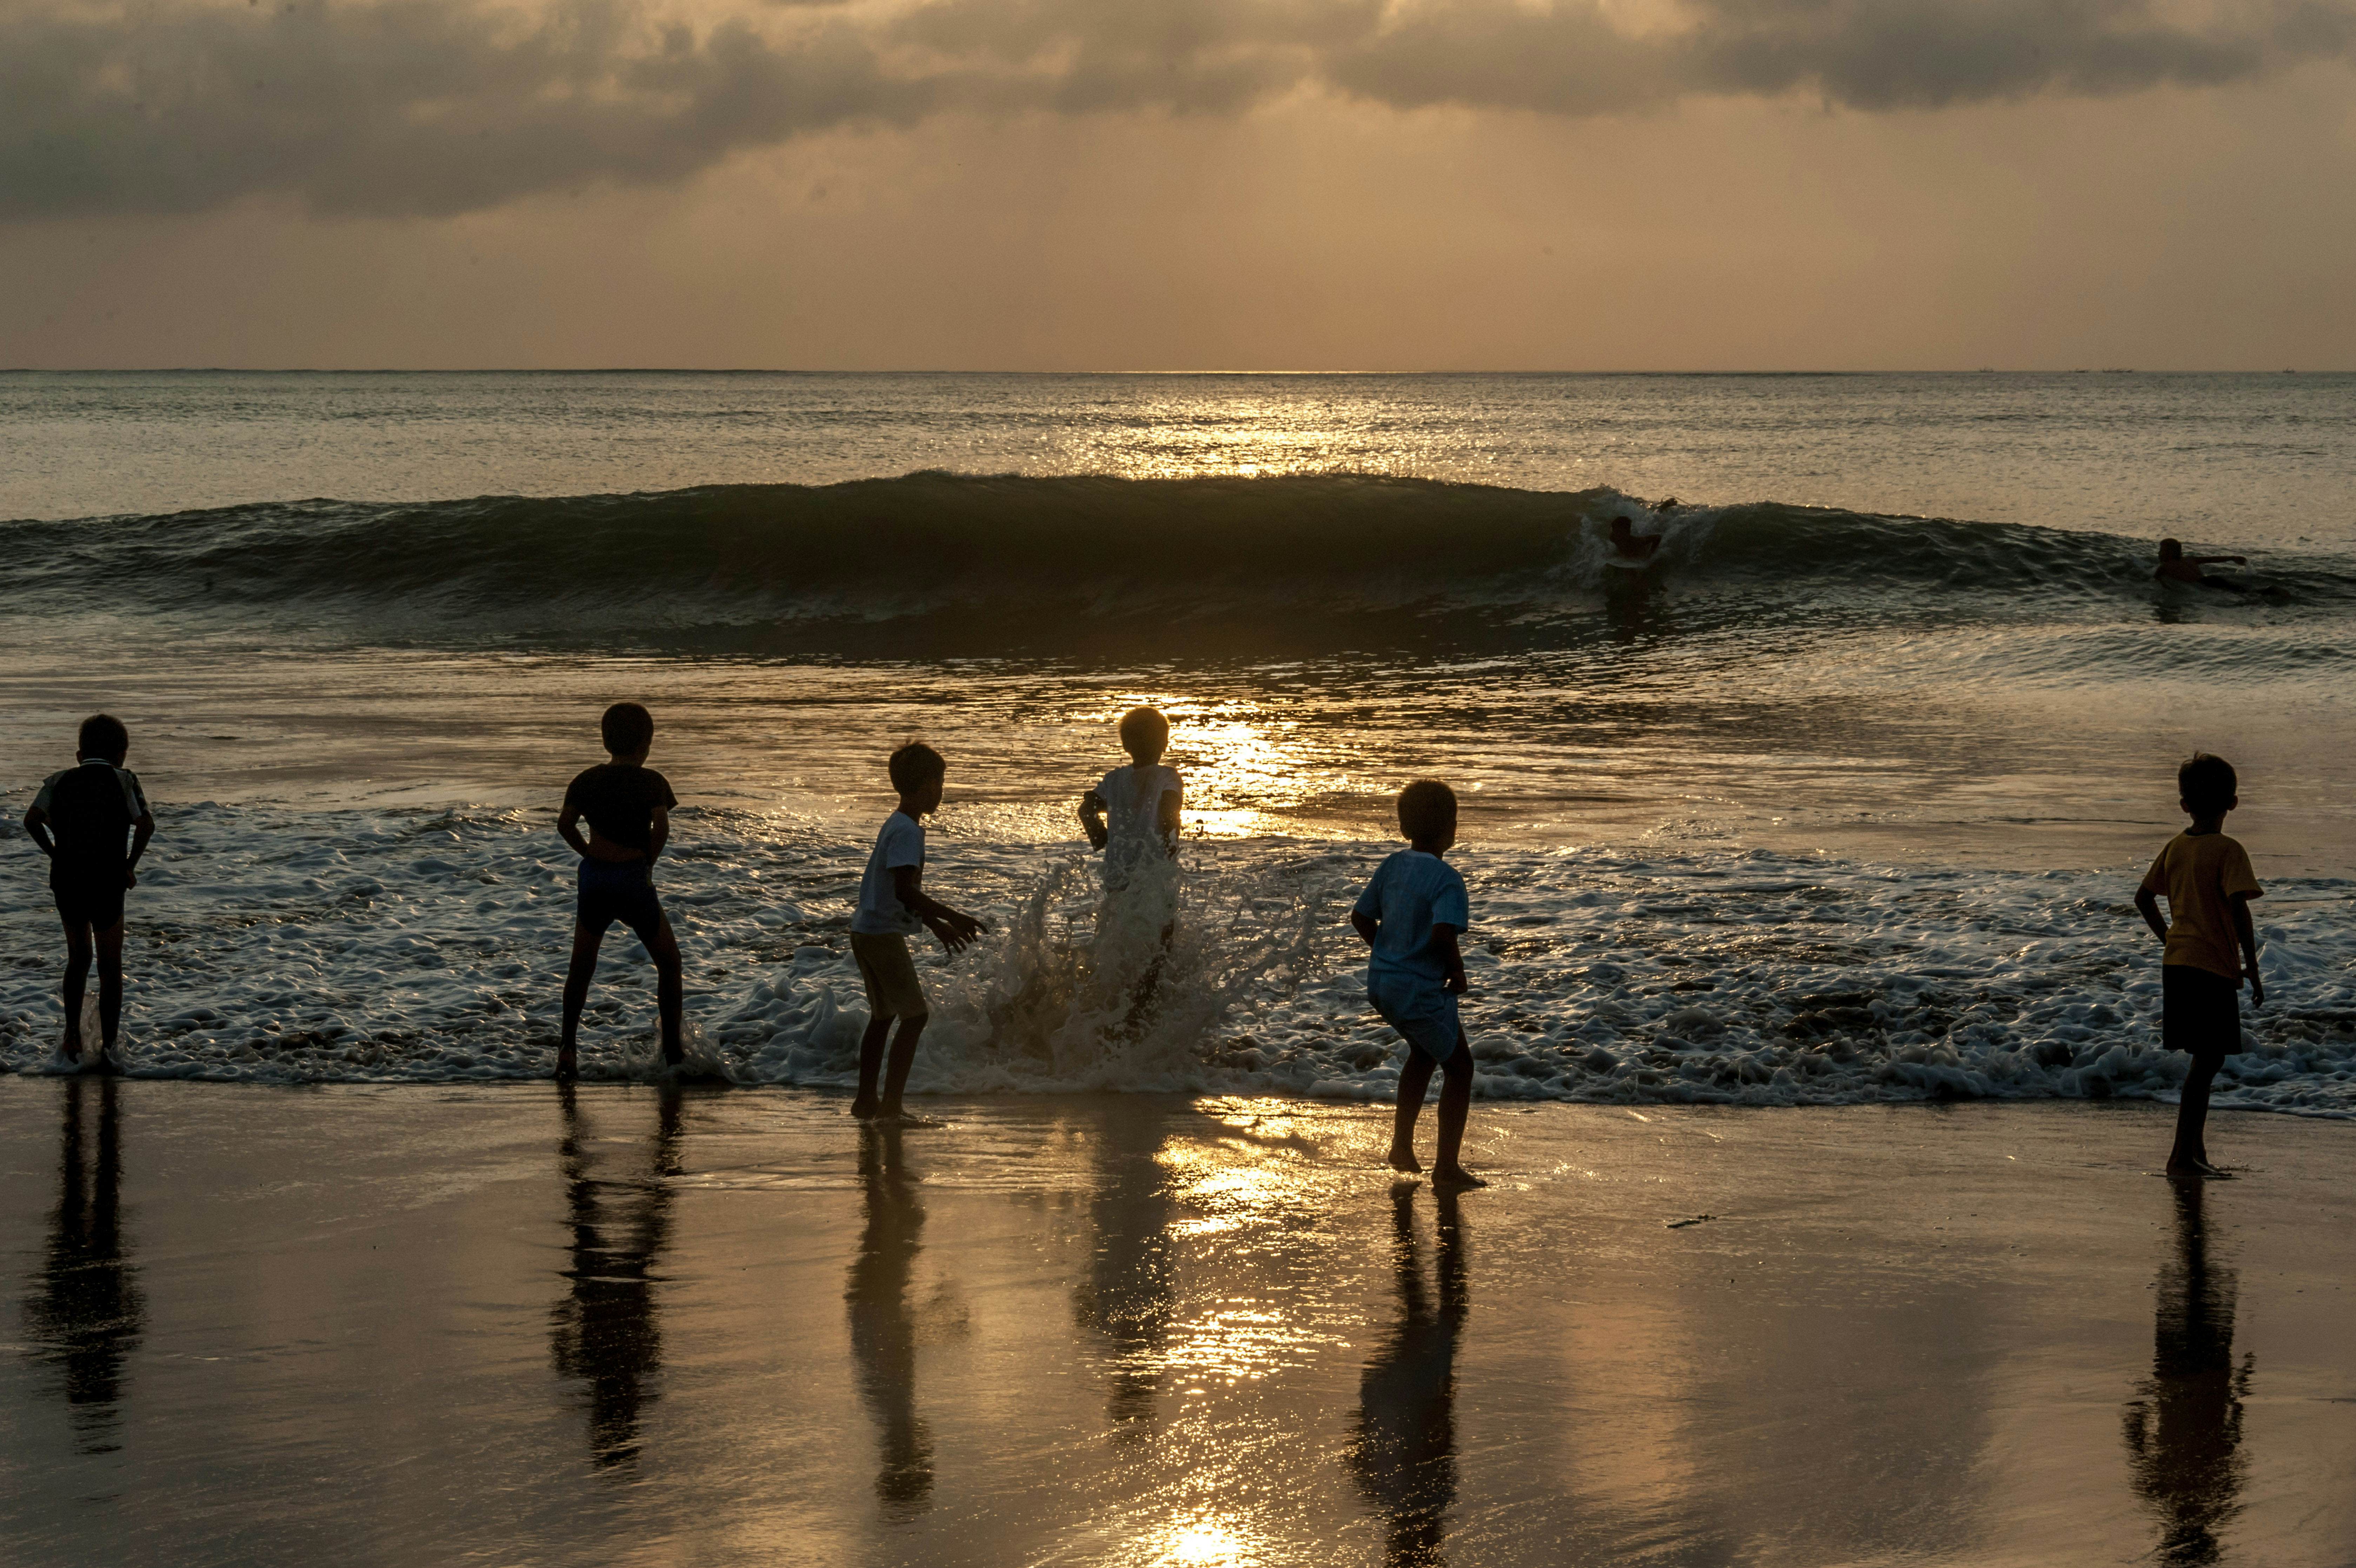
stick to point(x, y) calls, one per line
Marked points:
point(892, 907)
point(1133, 815)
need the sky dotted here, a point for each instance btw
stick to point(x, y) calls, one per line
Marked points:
point(1179, 184)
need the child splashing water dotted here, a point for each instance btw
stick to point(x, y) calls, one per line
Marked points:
point(1133, 816)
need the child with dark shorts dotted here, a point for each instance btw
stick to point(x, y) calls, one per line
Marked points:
point(2208, 882)
point(628, 807)
point(894, 907)
point(79, 819)
point(1412, 915)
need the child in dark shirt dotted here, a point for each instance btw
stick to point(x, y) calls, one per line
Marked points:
point(628, 807)
point(78, 820)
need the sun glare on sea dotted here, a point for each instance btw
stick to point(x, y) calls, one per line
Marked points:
point(1244, 770)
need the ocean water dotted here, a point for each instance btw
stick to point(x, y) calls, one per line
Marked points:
point(1844, 798)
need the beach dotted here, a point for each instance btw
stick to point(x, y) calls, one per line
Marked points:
point(423, 1325)
point(1816, 1046)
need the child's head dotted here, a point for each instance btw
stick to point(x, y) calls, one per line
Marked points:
point(628, 730)
point(2206, 785)
point(1426, 813)
point(916, 772)
point(1144, 735)
point(1622, 529)
point(102, 735)
point(2171, 550)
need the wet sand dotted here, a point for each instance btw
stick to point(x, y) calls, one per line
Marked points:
point(395, 1325)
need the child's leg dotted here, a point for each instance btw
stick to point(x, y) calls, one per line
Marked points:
point(110, 985)
point(77, 979)
point(669, 989)
point(2190, 1154)
point(1455, 1105)
point(904, 1057)
point(870, 1062)
point(586, 940)
point(1414, 1078)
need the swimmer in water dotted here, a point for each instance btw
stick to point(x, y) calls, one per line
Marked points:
point(2175, 566)
point(1628, 546)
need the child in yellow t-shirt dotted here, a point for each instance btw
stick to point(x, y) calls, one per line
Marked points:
point(2207, 879)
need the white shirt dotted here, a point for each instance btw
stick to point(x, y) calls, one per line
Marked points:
point(1132, 802)
point(881, 913)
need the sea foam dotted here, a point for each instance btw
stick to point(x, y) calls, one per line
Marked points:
point(292, 947)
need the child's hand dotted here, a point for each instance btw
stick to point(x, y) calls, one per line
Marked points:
point(130, 877)
point(957, 932)
point(2257, 988)
point(1098, 838)
point(1455, 985)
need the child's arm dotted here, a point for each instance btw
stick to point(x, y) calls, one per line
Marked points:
point(2248, 935)
point(143, 827)
point(1092, 807)
point(658, 832)
point(1444, 939)
point(567, 822)
point(2147, 904)
point(1167, 817)
point(1365, 926)
point(36, 828)
point(955, 927)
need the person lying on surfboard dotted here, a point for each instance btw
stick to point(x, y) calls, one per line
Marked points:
point(2175, 566)
point(1629, 547)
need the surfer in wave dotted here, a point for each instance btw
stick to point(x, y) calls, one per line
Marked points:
point(1630, 549)
point(2175, 566)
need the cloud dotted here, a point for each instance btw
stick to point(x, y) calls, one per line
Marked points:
point(429, 107)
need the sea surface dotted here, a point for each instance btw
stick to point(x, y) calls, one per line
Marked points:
point(1844, 798)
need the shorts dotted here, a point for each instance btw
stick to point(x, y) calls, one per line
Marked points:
point(890, 976)
point(2200, 1012)
point(1421, 1010)
point(623, 891)
point(92, 901)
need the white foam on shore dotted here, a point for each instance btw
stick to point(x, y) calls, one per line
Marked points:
point(282, 946)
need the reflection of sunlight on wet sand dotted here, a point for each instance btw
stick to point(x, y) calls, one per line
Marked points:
point(1242, 1193)
point(1202, 1542)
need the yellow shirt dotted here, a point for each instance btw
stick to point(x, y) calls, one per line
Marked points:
point(2199, 873)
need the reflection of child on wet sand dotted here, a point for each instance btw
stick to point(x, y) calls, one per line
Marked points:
point(79, 819)
point(2175, 566)
point(2208, 882)
point(893, 907)
point(1411, 914)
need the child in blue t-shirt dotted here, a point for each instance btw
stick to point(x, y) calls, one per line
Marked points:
point(1411, 914)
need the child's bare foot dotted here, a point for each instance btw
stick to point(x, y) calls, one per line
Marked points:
point(72, 1049)
point(1455, 1175)
point(865, 1110)
point(1403, 1160)
point(568, 1063)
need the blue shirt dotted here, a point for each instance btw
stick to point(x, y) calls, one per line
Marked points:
point(1411, 893)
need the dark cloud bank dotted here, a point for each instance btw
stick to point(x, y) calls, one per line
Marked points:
point(443, 106)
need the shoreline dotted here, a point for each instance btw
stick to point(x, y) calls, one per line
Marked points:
point(693, 1324)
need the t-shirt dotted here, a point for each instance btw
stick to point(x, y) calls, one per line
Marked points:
point(620, 798)
point(2199, 873)
point(881, 913)
point(1412, 892)
point(90, 809)
point(1132, 800)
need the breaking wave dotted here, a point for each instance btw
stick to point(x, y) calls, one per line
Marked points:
point(936, 563)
